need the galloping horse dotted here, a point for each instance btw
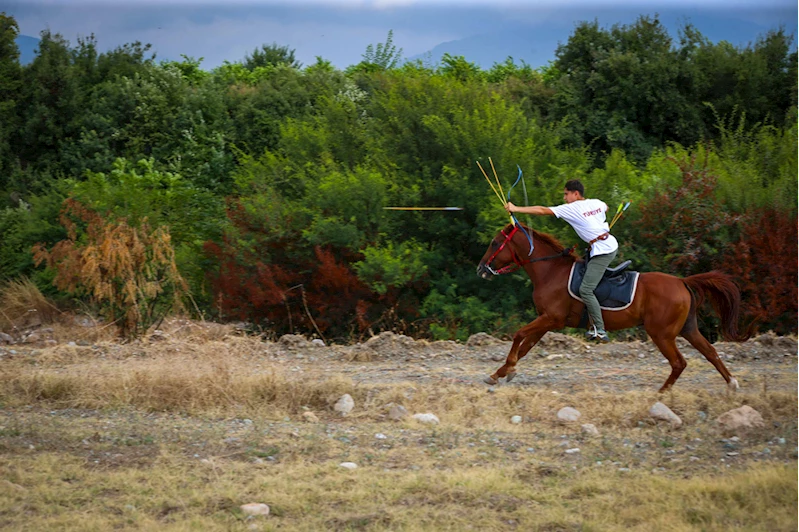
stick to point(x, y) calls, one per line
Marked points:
point(664, 304)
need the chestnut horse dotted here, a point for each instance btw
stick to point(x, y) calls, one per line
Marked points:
point(664, 304)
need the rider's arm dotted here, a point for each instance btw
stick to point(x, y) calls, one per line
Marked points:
point(537, 210)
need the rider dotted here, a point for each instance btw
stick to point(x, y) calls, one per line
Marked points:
point(587, 217)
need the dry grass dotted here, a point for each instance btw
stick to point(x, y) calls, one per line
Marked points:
point(177, 433)
point(48, 491)
point(23, 304)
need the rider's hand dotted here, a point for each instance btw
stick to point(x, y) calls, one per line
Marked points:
point(510, 207)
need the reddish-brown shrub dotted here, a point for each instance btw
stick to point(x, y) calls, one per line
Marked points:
point(765, 262)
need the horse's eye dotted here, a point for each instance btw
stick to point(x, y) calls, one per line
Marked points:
point(494, 244)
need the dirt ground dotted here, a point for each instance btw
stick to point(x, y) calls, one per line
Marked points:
point(186, 406)
point(558, 362)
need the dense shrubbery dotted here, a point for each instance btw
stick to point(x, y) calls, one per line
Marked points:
point(271, 178)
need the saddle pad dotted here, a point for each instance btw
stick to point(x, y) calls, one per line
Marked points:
point(614, 293)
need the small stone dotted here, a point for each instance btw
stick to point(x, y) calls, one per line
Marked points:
point(255, 508)
point(310, 417)
point(590, 429)
point(344, 405)
point(664, 413)
point(516, 420)
point(397, 412)
point(428, 418)
point(568, 414)
point(380, 436)
point(741, 418)
point(572, 451)
point(317, 342)
point(348, 465)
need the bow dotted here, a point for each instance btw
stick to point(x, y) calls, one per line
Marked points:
point(513, 217)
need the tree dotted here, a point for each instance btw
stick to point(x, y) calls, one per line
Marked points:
point(459, 68)
point(271, 55)
point(627, 87)
point(10, 84)
point(382, 57)
point(49, 104)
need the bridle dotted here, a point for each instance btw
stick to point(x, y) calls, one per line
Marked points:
point(517, 262)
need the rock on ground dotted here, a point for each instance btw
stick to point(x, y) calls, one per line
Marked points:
point(664, 413)
point(741, 418)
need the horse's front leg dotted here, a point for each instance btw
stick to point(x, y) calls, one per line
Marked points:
point(523, 341)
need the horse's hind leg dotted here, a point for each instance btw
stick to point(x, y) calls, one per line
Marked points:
point(668, 347)
point(701, 344)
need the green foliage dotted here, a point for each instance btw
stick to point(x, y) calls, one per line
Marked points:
point(757, 165)
point(457, 316)
point(189, 68)
point(500, 72)
point(392, 266)
point(271, 55)
point(459, 68)
point(139, 191)
point(687, 226)
point(272, 178)
point(348, 209)
point(10, 85)
point(383, 56)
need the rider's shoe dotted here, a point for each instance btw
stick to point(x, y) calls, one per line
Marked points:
point(597, 335)
point(601, 337)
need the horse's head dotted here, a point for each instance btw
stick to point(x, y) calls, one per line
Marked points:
point(500, 257)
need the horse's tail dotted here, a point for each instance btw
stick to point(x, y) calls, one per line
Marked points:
point(725, 297)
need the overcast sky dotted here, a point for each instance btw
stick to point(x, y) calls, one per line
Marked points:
point(337, 30)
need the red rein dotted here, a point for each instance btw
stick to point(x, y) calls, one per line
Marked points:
point(517, 263)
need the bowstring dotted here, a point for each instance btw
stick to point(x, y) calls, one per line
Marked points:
point(515, 220)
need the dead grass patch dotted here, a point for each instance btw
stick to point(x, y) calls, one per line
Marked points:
point(22, 304)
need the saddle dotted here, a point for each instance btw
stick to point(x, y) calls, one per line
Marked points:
point(615, 291)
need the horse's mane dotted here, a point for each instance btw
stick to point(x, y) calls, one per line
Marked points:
point(547, 239)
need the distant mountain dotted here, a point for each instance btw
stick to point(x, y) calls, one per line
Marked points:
point(27, 48)
point(535, 42)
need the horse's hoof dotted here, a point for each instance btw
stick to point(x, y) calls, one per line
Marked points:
point(489, 380)
point(733, 384)
point(510, 376)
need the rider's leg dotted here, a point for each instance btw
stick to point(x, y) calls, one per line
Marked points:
point(593, 274)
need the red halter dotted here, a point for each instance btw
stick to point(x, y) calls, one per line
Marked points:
point(517, 262)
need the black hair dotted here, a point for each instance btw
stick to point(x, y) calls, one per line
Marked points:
point(575, 184)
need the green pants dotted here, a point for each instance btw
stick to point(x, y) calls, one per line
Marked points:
point(593, 274)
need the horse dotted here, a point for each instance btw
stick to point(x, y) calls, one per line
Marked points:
point(664, 304)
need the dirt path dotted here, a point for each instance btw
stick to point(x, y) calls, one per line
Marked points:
point(558, 362)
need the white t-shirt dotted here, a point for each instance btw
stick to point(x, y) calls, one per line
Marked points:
point(587, 217)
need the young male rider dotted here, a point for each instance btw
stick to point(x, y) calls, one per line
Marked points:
point(587, 217)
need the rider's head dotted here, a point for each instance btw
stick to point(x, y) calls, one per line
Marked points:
point(573, 191)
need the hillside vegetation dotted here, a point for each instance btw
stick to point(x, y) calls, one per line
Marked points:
point(131, 188)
